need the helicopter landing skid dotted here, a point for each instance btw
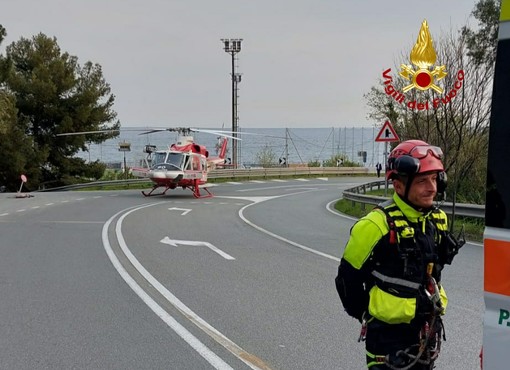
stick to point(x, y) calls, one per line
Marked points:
point(149, 194)
point(196, 191)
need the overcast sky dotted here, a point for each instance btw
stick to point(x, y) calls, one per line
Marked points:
point(304, 63)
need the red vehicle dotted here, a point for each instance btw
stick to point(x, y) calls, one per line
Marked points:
point(185, 164)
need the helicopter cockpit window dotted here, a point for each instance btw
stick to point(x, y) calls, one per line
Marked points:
point(158, 157)
point(168, 160)
point(175, 159)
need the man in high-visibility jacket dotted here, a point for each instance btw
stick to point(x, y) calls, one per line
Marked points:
point(389, 277)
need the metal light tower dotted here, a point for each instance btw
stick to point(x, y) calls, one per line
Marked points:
point(233, 46)
point(125, 147)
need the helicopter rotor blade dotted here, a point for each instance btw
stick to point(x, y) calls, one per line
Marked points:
point(88, 132)
point(214, 132)
point(180, 130)
point(153, 131)
point(244, 133)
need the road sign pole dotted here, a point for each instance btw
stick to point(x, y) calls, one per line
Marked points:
point(386, 134)
point(385, 167)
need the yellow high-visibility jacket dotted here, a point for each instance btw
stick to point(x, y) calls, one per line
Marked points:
point(383, 270)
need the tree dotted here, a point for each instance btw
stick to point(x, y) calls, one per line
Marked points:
point(53, 94)
point(16, 149)
point(3, 33)
point(482, 44)
point(266, 157)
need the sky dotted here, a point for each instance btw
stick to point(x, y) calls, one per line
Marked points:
point(304, 63)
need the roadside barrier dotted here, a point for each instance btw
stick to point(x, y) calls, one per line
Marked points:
point(358, 194)
point(237, 174)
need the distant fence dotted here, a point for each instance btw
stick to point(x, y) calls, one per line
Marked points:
point(358, 194)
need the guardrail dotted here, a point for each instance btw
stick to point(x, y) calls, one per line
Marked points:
point(358, 195)
point(95, 184)
point(286, 172)
point(233, 174)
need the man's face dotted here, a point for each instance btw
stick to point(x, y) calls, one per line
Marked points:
point(423, 190)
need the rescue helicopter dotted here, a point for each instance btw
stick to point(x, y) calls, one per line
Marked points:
point(185, 164)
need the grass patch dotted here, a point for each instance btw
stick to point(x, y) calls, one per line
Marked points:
point(353, 209)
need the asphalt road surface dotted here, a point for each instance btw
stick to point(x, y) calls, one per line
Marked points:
point(243, 280)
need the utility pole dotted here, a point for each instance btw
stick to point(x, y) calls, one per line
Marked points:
point(232, 47)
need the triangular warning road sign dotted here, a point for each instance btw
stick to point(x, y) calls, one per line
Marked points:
point(387, 133)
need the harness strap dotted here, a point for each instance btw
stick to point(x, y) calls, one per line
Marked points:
point(396, 281)
point(373, 360)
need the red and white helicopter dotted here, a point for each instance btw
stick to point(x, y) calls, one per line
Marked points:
point(184, 164)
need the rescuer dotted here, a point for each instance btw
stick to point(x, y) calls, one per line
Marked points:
point(389, 277)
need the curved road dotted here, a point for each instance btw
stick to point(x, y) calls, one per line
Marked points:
point(244, 280)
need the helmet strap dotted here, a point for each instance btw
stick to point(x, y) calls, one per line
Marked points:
point(409, 181)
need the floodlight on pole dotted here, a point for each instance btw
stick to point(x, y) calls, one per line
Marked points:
point(233, 46)
point(125, 147)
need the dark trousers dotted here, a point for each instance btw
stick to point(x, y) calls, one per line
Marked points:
point(385, 339)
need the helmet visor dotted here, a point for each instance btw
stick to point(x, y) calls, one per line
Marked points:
point(421, 151)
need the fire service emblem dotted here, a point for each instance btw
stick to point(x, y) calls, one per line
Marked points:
point(425, 76)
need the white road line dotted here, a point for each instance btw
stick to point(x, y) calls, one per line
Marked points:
point(49, 204)
point(234, 183)
point(301, 246)
point(278, 180)
point(336, 213)
point(198, 346)
point(290, 187)
point(252, 361)
point(304, 180)
point(21, 210)
point(72, 222)
point(4, 214)
point(35, 207)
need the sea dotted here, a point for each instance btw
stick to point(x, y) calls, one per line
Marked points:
point(296, 145)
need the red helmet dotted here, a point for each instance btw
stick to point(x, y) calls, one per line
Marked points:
point(414, 156)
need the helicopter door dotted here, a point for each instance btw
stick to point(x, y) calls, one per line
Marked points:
point(186, 163)
point(196, 163)
point(203, 162)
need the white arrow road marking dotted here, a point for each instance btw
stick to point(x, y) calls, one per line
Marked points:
point(184, 213)
point(249, 359)
point(173, 242)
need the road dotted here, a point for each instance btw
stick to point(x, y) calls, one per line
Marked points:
point(244, 280)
